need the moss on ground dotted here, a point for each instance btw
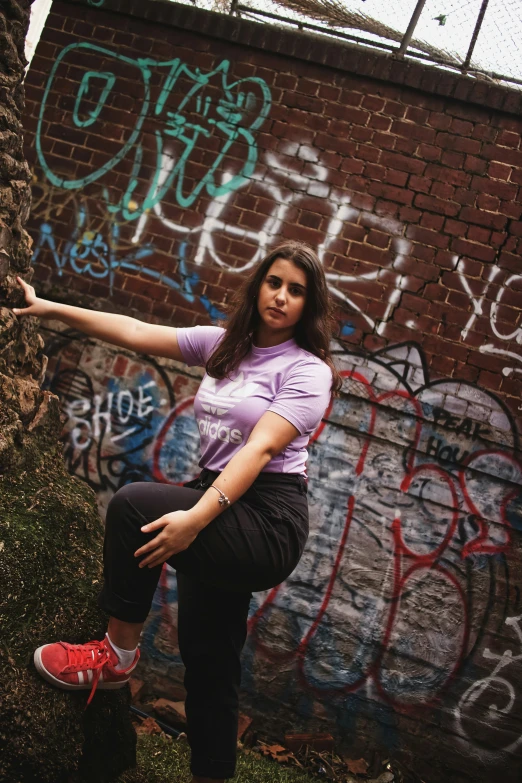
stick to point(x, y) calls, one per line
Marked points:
point(162, 760)
point(50, 572)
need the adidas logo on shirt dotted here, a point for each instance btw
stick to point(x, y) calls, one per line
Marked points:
point(217, 431)
point(228, 397)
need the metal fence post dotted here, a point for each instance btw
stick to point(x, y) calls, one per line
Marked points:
point(411, 28)
point(476, 31)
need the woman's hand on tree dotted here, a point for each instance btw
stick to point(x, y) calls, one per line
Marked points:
point(37, 307)
point(178, 531)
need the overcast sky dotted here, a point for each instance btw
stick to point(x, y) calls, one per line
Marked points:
point(498, 47)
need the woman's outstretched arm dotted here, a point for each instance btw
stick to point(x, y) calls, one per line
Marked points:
point(120, 330)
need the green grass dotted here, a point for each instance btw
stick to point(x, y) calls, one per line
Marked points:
point(162, 760)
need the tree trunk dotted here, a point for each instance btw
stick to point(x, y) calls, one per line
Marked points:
point(50, 531)
point(29, 418)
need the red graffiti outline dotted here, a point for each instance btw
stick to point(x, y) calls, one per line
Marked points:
point(401, 552)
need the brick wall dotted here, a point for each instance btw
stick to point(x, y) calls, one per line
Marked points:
point(171, 147)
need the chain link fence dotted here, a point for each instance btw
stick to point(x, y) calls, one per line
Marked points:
point(476, 37)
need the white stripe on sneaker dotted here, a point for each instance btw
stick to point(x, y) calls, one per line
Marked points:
point(80, 678)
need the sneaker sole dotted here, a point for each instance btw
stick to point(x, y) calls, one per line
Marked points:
point(67, 686)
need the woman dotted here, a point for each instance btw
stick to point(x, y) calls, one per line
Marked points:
point(241, 526)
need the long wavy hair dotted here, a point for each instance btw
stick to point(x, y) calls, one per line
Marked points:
point(313, 331)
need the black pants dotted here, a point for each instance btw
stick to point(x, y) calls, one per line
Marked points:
point(253, 545)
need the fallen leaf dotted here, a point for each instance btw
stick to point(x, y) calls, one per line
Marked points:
point(170, 711)
point(357, 766)
point(149, 726)
point(135, 687)
point(243, 724)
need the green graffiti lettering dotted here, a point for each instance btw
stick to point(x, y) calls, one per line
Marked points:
point(110, 80)
point(233, 117)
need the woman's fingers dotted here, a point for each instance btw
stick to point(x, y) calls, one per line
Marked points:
point(152, 526)
point(30, 296)
point(148, 547)
point(155, 558)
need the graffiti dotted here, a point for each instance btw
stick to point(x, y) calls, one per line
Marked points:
point(96, 247)
point(126, 426)
point(492, 698)
point(288, 190)
point(233, 115)
point(393, 529)
point(477, 303)
point(413, 508)
point(210, 117)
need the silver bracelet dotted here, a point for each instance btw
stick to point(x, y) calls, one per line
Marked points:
point(223, 500)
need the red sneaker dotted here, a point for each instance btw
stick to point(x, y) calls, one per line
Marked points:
point(80, 666)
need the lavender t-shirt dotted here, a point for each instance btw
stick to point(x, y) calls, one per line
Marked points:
point(284, 379)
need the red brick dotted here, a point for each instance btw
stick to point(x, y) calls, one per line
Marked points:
point(475, 165)
point(350, 97)
point(484, 132)
point(482, 218)
point(422, 252)
point(286, 81)
point(378, 238)
point(448, 176)
point(373, 103)
point(434, 238)
point(349, 114)
point(384, 141)
point(410, 266)
point(442, 365)
point(414, 303)
point(498, 238)
point(405, 146)
point(505, 155)
point(421, 184)
point(413, 131)
point(398, 178)
point(344, 146)
point(428, 152)
point(386, 209)
point(429, 220)
point(395, 109)
point(445, 259)
point(461, 127)
point(417, 115)
point(403, 163)
point(400, 195)
point(327, 91)
point(455, 160)
point(422, 323)
point(490, 203)
point(499, 170)
point(360, 133)
point(474, 250)
point(352, 166)
point(410, 215)
point(439, 120)
point(478, 234)
point(455, 227)
point(508, 139)
point(437, 205)
point(378, 122)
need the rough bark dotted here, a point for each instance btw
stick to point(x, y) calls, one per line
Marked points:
point(50, 531)
point(29, 417)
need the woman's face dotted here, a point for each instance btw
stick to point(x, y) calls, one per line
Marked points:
point(282, 295)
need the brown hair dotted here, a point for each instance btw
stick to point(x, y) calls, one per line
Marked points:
point(313, 331)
